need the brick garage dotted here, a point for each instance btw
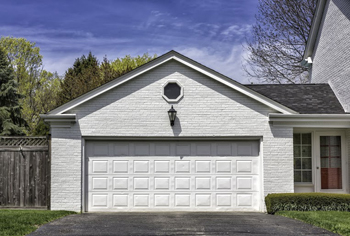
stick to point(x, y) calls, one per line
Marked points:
point(213, 108)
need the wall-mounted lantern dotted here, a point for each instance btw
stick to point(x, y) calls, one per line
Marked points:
point(172, 115)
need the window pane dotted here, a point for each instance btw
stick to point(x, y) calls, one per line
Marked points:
point(297, 176)
point(297, 152)
point(324, 162)
point(306, 139)
point(296, 138)
point(324, 140)
point(306, 151)
point(306, 163)
point(307, 176)
point(335, 162)
point(335, 151)
point(334, 140)
point(172, 90)
point(297, 163)
point(325, 151)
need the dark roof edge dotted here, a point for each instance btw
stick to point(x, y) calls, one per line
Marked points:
point(286, 84)
point(315, 27)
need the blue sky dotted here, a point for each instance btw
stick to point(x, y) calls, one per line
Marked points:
point(211, 32)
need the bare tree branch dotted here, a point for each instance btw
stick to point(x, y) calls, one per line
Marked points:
point(278, 41)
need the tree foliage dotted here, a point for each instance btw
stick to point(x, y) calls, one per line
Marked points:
point(11, 122)
point(81, 78)
point(278, 41)
point(87, 74)
point(128, 63)
point(34, 83)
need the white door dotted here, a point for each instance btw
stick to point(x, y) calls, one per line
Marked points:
point(173, 175)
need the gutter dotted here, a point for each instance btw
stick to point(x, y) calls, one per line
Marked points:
point(65, 120)
point(310, 120)
point(315, 27)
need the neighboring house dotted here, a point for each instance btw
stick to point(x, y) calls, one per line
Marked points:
point(114, 149)
point(328, 49)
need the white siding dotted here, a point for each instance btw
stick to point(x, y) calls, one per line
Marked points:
point(332, 51)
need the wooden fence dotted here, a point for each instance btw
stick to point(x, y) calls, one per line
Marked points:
point(24, 172)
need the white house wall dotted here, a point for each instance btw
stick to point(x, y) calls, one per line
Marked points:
point(347, 134)
point(137, 109)
point(331, 55)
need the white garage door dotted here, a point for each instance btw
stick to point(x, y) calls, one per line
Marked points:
point(173, 175)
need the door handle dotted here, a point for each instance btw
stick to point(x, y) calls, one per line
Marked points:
point(317, 167)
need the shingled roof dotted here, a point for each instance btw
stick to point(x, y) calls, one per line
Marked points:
point(302, 98)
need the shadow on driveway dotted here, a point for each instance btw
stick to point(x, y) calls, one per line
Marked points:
point(178, 223)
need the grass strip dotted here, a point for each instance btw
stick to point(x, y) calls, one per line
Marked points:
point(334, 221)
point(22, 222)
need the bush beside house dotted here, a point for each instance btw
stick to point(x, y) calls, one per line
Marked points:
point(307, 202)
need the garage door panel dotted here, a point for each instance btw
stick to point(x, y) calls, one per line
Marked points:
point(128, 180)
point(205, 201)
point(121, 166)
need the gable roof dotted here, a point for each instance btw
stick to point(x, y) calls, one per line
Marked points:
point(315, 27)
point(173, 55)
point(303, 98)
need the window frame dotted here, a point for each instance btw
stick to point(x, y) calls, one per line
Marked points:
point(300, 145)
point(181, 90)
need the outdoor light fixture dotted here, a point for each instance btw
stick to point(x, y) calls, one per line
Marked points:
point(172, 115)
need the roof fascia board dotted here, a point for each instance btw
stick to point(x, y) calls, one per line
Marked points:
point(170, 138)
point(182, 59)
point(310, 120)
point(315, 27)
point(60, 121)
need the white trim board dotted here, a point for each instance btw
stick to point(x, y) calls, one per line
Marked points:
point(310, 120)
point(61, 120)
point(172, 55)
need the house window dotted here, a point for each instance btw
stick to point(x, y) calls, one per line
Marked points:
point(302, 158)
point(173, 91)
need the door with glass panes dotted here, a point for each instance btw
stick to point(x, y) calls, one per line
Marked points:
point(331, 163)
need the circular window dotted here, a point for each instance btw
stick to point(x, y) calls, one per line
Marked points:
point(172, 91)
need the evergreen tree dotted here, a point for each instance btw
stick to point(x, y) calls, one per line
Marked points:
point(11, 122)
point(79, 79)
point(38, 87)
point(107, 71)
point(87, 74)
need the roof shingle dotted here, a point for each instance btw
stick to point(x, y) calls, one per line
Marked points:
point(302, 98)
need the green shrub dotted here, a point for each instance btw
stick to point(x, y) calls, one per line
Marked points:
point(307, 202)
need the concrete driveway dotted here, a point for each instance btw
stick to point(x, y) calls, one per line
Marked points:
point(178, 223)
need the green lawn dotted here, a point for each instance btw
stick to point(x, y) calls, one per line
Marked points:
point(22, 222)
point(335, 221)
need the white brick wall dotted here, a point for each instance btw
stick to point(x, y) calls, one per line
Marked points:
point(332, 51)
point(208, 109)
point(66, 169)
point(347, 134)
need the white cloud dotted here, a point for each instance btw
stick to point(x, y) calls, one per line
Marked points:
point(60, 39)
point(236, 31)
point(229, 64)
